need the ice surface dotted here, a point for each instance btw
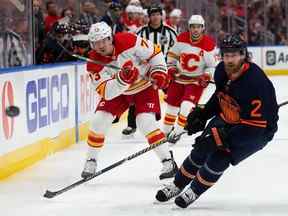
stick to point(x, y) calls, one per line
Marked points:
point(257, 186)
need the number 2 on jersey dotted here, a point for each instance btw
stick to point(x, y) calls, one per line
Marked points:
point(256, 110)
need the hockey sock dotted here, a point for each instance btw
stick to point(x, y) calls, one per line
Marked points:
point(210, 172)
point(185, 109)
point(157, 136)
point(170, 118)
point(189, 169)
point(95, 140)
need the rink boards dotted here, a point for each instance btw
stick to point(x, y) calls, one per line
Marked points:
point(56, 103)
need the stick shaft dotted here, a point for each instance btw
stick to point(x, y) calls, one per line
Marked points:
point(50, 194)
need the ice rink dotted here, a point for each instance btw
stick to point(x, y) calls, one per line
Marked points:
point(257, 186)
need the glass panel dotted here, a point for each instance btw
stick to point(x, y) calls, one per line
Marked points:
point(261, 22)
point(15, 33)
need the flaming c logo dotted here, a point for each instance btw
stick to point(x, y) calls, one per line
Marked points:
point(189, 62)
point(7, 100)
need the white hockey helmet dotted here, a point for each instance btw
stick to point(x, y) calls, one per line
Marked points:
point(99, 31)
point(196, 19)
point(175, 13)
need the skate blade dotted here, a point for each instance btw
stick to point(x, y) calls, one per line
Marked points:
point(126, 137)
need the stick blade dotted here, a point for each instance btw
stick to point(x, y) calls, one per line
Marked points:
point(49, 194)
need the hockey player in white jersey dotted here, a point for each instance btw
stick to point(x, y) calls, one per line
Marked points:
point(191, 62)
point(143, 72)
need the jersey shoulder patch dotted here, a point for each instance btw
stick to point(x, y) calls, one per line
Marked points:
point(184, 37)
point(207, 43)
point(124, 41)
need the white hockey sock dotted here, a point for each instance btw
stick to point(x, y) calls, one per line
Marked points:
point(170, 111)
point(185, 109)
point(146, 123)
point(101, 122)
point(93, 153)
point(162, 151)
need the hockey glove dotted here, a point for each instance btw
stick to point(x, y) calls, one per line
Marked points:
point(160, 79)
point(204, 79)
point(215, 138)
point(128, 73)
point(172, 73)
point(196, 121)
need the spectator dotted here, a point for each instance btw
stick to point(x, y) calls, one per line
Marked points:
point(112, 17)
point(89, 14)
point(124, 3)
point(168, 6)
point(67, 12)
point(12, 49)
point(135, 2)
point(38, 23)
point(131, 18)
point(146, 3)
point(52, 51)
point(174, 19)
point(52, 16)
point(281, 38)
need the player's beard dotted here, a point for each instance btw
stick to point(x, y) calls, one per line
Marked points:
point(232, 69)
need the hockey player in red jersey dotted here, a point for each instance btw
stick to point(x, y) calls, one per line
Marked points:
point(143, 72)
point(191, 62)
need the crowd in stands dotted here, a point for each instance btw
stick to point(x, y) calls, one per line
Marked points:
point(266, 20)
point(57, 25)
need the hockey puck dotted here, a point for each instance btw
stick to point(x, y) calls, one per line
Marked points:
point(12, 111)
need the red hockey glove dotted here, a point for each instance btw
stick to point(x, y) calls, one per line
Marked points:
point(160, 79)
point(172, 73)
point(204, 79)
point(128, 73)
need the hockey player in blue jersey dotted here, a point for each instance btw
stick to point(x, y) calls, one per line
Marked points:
point(244, 114)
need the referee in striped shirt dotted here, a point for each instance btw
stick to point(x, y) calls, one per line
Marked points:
point(158, 33)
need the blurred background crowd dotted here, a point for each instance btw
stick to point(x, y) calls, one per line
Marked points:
point(37, 39)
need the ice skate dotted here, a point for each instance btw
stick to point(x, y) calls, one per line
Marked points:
point(90, 168)
point(186, 198)
point(128, 132)
point(169, 168)
point(173, 137)
point(168, 192)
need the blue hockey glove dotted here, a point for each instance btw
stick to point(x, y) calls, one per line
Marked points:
point(213, 139)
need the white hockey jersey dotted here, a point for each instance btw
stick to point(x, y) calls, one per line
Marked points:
point(192, 59)
point(145, 56)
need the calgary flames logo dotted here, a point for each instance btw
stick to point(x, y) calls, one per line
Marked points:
point(189, 62)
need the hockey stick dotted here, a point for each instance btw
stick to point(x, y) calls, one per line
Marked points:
point(184, 132)
point(51, 194)
point(283, 104)
point(85, 58)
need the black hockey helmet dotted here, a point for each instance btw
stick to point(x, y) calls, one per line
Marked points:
point(62, 28)
point(115, 6)
point(233, 43)
point(154, 8)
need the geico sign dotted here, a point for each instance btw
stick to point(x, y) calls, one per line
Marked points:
point(47, 101)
